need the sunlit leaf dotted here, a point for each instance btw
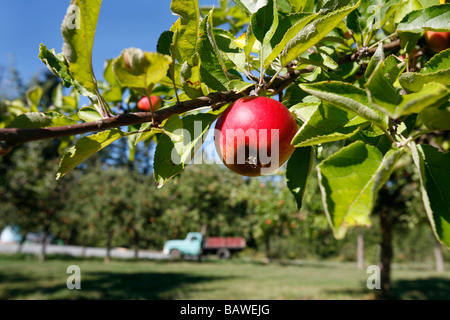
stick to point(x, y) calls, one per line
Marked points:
point(313, 33)
point(434, 176)
point(84, 148)
point(350, 180)
point(78, 30)
point(346, 97)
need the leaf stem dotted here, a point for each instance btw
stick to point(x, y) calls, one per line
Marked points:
point(149, 94)
point(274, 77)
point(411, 138)
point(382, 40)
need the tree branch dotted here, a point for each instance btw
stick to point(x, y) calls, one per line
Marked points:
point(364, 52)
point(14, 136)
point(10, 137)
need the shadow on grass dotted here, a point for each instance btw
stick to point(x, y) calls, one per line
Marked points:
point(434, 288)
point(106, 286)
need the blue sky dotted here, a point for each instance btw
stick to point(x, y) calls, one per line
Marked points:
point(24, 24)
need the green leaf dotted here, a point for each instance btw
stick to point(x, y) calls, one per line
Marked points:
point(331, 5)
point(287, 29)
point(386, 168)
point(190, 77)
point(385, 97)
point(210, 33)
point(302, 5)
point(238, 86)
point(380, 91)
point(349, 181)
point(251, 6)
point(284, 6)
point(371, 15)
point(34, 95)
point(374, 61)
point(250, 42)
point(413, 81)
point(57, 96)
point(327, 124)
point(393, 68)
point(434, 18)
point(313, 33)
point(304, 110)
point(172, 156)
point(437, 116)
point(405, 8)
point(431, 94)
point(226, 43)
point(15, 107)
point(437, 69)
point(32, 120)
point(265, 21)
point(58, 65)
point(374, 137)
point(434, 177)
point(187, 28)
point(438, 62)
point(211, 69)
point(348, 98)
point(174, 122)
point(298, 169)
point(164, 43)
point(114, 91)
point(85, 148)
point(320, 59)
point(78, 30)
point(140, 70)
point(89, 114)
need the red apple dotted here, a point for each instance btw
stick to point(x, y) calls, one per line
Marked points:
point(253, 136)
point(437, 41)
point(144, 105)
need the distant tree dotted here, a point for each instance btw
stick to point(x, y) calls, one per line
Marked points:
point(31, 191)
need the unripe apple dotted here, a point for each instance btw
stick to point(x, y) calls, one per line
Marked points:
point(437, 41)
point(144, 105)
point(253, 136)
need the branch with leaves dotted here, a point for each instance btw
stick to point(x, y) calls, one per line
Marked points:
point(336, 65)
point(14, 136)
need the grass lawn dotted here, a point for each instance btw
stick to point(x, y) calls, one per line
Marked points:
point(23, 277)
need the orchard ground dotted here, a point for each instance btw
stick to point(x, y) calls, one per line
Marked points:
point(24, 277)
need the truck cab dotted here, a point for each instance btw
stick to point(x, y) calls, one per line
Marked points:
point(191, 245)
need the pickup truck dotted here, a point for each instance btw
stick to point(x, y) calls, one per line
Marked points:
point(196, 245)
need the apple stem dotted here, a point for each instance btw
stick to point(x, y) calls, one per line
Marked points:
point(151, 108)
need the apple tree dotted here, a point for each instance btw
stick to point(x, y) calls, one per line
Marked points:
point(356, 74)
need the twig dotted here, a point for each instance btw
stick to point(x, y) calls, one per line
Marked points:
point(10, 137)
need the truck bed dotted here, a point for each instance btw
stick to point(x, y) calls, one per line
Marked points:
point(224, 242)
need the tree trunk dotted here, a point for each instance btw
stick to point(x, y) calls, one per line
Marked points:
point(108, 247)
point(204, 229)
point(20, 246)
point(267, 240)
point(83, 246)
point(386, 252)
point(360, 250)
point(136, 245)
point(43, 246)
point(439, 257)
point(83, 251)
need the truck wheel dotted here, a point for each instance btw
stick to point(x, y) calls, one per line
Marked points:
point(224, 253)
point(175, 254)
